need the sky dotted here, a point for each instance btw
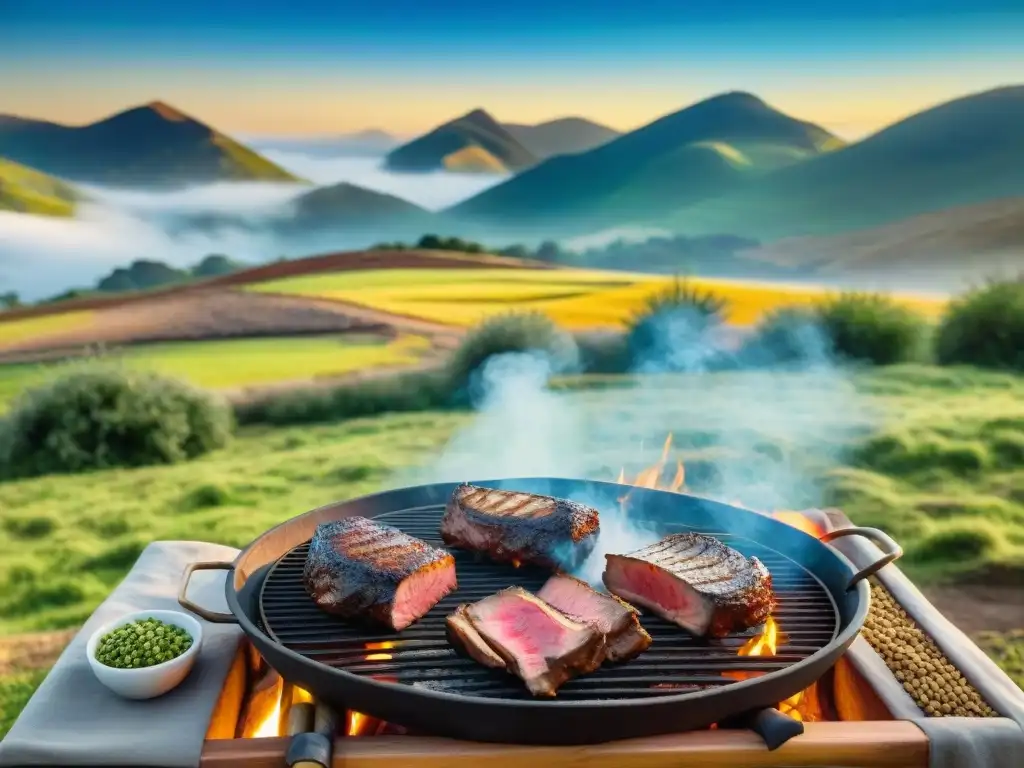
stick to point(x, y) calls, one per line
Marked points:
point(308, 68)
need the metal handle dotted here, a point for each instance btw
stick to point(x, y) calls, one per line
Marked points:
point(214, 617)
point(880, 539)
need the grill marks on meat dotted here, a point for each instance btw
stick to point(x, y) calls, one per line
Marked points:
point(695, 581)
point(359, 568)
point(516, 631)
point(514, 527)
point(612, 617)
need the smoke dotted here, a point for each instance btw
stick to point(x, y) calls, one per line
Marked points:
point(762, 436)
point(42, 256)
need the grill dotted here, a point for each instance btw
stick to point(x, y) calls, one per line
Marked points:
point(415, 679)
point(422, 657)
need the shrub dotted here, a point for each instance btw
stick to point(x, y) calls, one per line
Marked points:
point(872, 328)
point(606, 353)
point(676, 330)
point(512, 332)
point(416, 391)
point(786, 336)
point(97, 417)
point(985, 327)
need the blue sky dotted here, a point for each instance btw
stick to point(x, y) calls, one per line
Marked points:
point(317, 67)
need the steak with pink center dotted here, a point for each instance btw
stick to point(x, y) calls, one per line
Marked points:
point(537, 643)
point(612, 617)
point(359, 568)
point(695, 581)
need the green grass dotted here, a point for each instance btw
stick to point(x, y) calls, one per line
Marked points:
point(26, 190)
point(15, 691)
point(1007, 650)
point(932, 455)
point(241, 362)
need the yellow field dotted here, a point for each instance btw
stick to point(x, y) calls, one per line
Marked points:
point(576, 299)
point(13, 331)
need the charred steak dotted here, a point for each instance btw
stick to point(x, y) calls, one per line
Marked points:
point(359, 568)
point(514, 527)
point(516, 631)
point(695, 581)
point(613, 618)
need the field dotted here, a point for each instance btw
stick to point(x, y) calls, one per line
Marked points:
point(240, 363)
point(578, 300)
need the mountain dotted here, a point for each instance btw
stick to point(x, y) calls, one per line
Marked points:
point(154, 145)
point(443, 148)
point(565, 136)
point(347, 206)
point(964, 151)
point(369, 143)
point(25, 190)
point(934, 248)
point(707, 149)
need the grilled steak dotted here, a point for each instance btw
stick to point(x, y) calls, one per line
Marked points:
point(513, 527)
point(519, 632)
point(361, 568)
point(613, 618)
point(695, 581)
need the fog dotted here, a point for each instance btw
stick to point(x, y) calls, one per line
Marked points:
point(42, 256)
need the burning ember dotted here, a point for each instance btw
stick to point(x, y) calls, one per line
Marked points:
point(385, 646)
point(804, 705)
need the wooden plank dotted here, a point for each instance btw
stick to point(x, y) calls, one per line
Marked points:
point(891, 744)
point(229, 704)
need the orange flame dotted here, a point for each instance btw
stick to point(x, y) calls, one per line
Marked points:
point(384, 646)
point(804, 705)
point(360, 724)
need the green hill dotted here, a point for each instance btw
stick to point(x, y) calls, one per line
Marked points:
point(25, 190)
point(711, 147)
point(564, 136)
point(965, 151)
point(149, 146)
point(351, 208)
point(474, 129)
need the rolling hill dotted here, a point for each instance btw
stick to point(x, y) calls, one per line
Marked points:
point(350, 207)
point(707, 149)
point(564, 136)
point(25, 190)
point(444, 147)
point(152, 146)
point(964, 151)
point(937, 249)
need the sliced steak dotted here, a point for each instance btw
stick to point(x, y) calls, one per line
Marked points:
point(538, 644)
point(359, 568)
point(612, 617)
point(514, 527)
point(695, 581)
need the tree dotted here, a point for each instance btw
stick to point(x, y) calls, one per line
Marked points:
point(10, 300)
point(548, 251)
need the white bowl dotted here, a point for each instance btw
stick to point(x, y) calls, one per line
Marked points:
point(147, 682)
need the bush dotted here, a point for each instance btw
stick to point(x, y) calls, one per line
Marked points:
point(105, 416)
point(786, 336)
point(985, 327)
point(417, 391)
point(676, 330)
point(606, 353)
point(872, 328)
point(512, 332)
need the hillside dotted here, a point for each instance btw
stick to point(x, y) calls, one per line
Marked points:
point(153, 146)
point(935, 249)
point(431, 151)
point(565, 136)
point(349, 207)
point(706, 149)
point(965, 151)
point(25, 190)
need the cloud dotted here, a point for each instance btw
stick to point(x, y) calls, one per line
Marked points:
point(41, 256)
point(432, 191)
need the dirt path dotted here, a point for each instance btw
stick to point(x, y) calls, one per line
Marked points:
point(39, 650)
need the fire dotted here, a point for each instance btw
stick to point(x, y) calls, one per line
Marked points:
point(270, 726)
point(360, 724)
point(804, 705)
point(385, 646)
